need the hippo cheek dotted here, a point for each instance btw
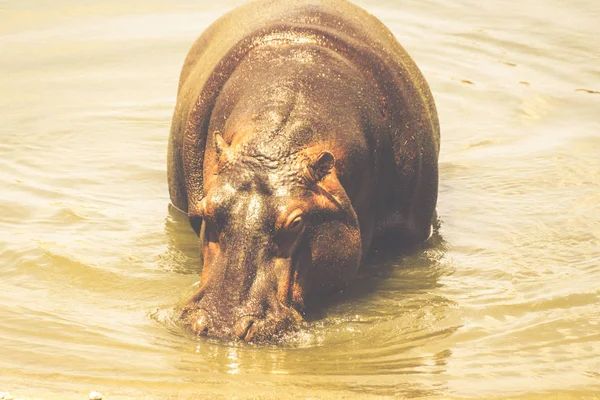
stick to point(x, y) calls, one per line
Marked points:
point(335, 249)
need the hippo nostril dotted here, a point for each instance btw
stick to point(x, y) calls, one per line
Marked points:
point(252, 332)
point(202, 323)
point(243, 326)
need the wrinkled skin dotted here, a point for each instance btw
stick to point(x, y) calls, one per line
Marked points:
point(302, 133)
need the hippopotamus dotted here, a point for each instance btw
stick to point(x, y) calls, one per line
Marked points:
point(303, 133)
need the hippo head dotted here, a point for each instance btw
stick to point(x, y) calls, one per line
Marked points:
point(273, 230)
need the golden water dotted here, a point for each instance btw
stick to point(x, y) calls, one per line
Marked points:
point(503, 302)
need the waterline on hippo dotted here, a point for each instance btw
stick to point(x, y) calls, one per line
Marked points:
point(302, 133)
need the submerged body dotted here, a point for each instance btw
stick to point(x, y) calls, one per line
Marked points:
point(302, 133)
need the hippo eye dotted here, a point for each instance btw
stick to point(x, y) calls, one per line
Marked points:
point(289, 234)
point(296, 224)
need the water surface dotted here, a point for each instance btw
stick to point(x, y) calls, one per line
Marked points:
point(504, 301)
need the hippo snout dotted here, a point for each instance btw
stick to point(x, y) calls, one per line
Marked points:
point(266, 325)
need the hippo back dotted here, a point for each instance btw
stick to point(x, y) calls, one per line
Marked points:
point(334, 24)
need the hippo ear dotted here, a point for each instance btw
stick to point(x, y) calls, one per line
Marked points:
point(321, 166)
point(222, 148)
point(220, 145)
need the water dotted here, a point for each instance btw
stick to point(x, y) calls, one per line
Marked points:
point(504, 301)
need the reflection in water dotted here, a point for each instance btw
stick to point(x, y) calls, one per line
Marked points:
point(233, 367)
point(183, 250)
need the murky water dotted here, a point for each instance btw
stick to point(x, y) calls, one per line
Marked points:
point(504, 301)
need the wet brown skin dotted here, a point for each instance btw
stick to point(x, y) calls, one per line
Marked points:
point(302, 133)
